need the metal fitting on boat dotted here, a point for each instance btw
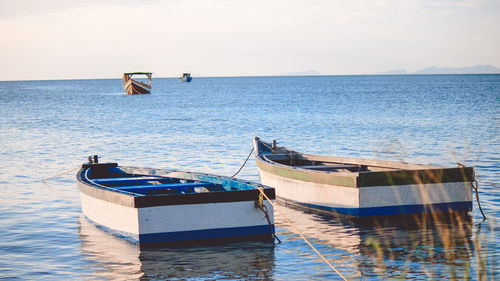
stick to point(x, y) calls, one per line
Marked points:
point(274, 147)
point(93, 159)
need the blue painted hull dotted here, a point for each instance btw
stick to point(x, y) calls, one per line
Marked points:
point(417, 209)
point(394, 210)
point(206, 234)
point(248, 232)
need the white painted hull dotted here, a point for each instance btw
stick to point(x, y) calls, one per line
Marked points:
point(312, 193)
point(163, 224)
point(360, 187)
point(119, 219)
point(129, 202)
point(373, 200)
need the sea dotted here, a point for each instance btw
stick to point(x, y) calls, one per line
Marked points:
point(49, 128)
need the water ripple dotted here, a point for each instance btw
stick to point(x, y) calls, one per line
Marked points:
point(48, 127)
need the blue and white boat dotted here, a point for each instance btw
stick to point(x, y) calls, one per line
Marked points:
point(158, 206)
point(361, 187)
point(186, 77)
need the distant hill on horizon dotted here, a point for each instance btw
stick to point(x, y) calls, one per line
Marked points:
point(478, 69)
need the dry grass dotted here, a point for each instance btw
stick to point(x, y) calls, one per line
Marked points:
point(437, 241)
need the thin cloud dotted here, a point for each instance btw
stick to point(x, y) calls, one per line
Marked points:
point(19, 8)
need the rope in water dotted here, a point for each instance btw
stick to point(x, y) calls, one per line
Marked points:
point(302, 236)
point(261, 190)
point(58, 175)
point(260, 204)
point(475, 185)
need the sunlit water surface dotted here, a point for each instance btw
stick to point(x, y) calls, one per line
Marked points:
point(49, 127)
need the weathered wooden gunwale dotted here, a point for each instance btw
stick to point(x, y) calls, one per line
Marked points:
point(386, 173)
point(343, 179)
point(134, 200)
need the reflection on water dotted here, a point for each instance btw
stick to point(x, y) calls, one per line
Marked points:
point(48, 127)
point(111, 257)
point(117, 259)
point(420, 248)
point(407, 247)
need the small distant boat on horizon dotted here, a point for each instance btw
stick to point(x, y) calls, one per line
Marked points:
point(186, 77)
point(362, 187)
point(136, 87)
point(157, 206)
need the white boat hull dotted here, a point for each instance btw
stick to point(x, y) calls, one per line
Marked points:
point(164, 224)
point(373, 200)
point(157, 206)
point(361, 187)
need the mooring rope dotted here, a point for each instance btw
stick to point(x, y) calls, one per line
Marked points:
point(261, 206)
point(58, 175)
point(302, 236)
point(475, 185)
point(259, 203)
point(243, 164)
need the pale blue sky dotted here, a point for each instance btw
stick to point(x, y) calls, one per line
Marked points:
point(64, 39)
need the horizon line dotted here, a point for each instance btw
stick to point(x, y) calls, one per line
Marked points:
point(259, 76)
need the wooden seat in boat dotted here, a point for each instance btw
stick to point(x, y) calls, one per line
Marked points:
point(135, 188)
point(327, 167)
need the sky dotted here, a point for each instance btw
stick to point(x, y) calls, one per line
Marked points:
point(85, 39)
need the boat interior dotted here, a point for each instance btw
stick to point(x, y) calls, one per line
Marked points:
point(146, 81)
point(150, 185)
point(330, 164)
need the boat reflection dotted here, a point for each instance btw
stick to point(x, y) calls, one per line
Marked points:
point(113, 258)
point(411, 248)
point(404, 247)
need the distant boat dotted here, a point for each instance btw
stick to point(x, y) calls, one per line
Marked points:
point(186, 77)
point(134, 87)
point(157, 206)
point(360, 187)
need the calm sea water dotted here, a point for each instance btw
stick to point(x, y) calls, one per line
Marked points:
point(49, 127)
